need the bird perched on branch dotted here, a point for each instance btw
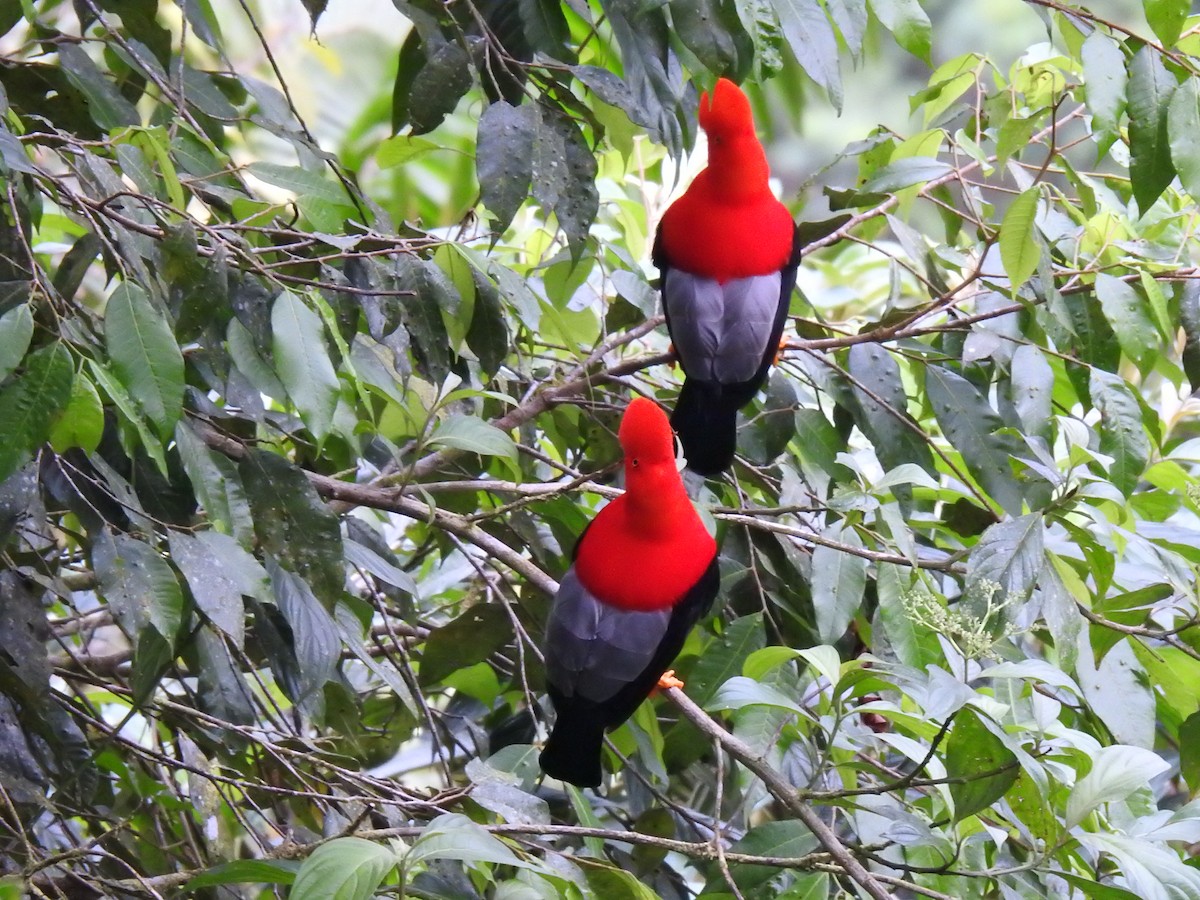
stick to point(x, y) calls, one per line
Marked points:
point(727, 251)
point(644, 572)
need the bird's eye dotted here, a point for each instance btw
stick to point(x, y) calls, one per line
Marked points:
point(634, 462)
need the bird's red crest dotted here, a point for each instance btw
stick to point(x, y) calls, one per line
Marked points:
point(726, 111)
point(646, 433)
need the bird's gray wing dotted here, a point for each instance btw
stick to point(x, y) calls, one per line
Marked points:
point(593, 649)
point(751, 305)
point(695, 310)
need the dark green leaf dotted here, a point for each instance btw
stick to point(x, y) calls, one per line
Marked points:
point(474, 435)
point(1004, 565)
point(246, 871)
point(145, 355)
point(422, 313)
point(31, 402)
point(839, 578)
point(1126, 312)
point(564, 176)
point(698, 25)
point(971, 426)
point(504, 158)
point(1149, 96)
point(302, 361)
point(347, 868)
point(438, 86)
point(16, 331)
point(905, 173)
point(471, 638)
point(908, 23)
point(293, 525)
point(82, 421)
point(217, 485)
point(1105, 79)
point(788, 838)
point(1183, 124)
point(108, 106)
point(215, 591)
point(138, 585)
point(723, 658)
point(881, 408)
point(980, 766)
point(807, 29)
point(1189, 749)
point(1166, 17)
point(1020, 248)
point(1122, 435)
point(1031, 390)
point(314, 633)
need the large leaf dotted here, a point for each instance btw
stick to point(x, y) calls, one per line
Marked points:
point(504, 158)
point(1006, 561)
point(302, 361)
point(908, 23)
point(144, 354)
point(348, 868)
point(139, 586)
point(1150, 89)
point(293, 524)
point(474, 435)
point(724, 657)
point(1020, 248)
point(1126, 312)
point(314, 633)
point(1105, 78)
point(807, 29)
point(883, 408)
point(469, 639)
point(16, 330)
point(219, 572)
point(30, 403)
point(1183, 124)
point(979, 765)
point(839, 578)
point(971, 425)
point(1122, 435)
point(1115, 774)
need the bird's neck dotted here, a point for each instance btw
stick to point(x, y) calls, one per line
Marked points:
point(737, 171)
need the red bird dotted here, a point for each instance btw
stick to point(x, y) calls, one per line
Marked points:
point(727, 251)
point(644, 572)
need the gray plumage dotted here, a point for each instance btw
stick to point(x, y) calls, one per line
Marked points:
point(599, 648)
point(721, 331)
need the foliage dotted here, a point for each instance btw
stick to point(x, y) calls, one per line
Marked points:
point(298, 432)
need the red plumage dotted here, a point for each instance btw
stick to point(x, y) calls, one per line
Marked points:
point(727, 251)
point(644, 571)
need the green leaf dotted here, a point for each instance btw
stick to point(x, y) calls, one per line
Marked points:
point(970, 424)
point(1020, 249)
point(739, 692)
point(145, 355)
point(1149, 96)
point(787, 838)
point(1115, 774)
point(906, 172)
point(1189, 750)
point(218, 486)
point(699, 27)
point(1105, 79)
point(882, 408)
point(454, 836)
point(438, 86)
point(302, 361)
point(402, 148)
point(314, 633)
point(300, 182)
point(138, 585)
point(564, 176)
point(219, 572)
point(246, 871)
point(292, 524)
point(31, 402)
point(1126, 313)
point(82, 422)
point(1122, 435)
point(471, 638)
point(504, 158)
point(1010, 556)
point(838, 581)
point(1166, 17)
point(1094, 890)
point(16, 331)
point(980, 766)
point(474, 435)
point(612, 883)
point(1031, 389)
point(760, 22)
point(806, 28)
point(908, 23)
point(725, 656)
point(346, 868)
point(1183, 124)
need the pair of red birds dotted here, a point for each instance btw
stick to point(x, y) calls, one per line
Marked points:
point(645, 569)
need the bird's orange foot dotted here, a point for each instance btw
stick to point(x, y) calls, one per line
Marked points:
point(668, 680)
point(779, 351)
point(674, 357)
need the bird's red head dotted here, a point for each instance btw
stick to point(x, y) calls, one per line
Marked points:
point(646, 437)
point(725, 113)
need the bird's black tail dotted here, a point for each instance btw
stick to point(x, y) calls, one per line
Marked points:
point(573, 751)
point(705, 418)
